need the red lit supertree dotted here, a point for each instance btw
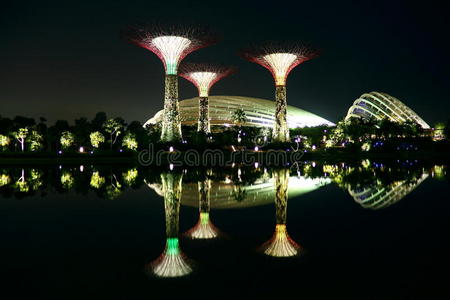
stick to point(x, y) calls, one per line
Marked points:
point(171, 44)
point(204, 76)
point(280, 60)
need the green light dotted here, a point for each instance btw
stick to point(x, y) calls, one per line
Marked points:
point(172, 246)
point(204, 218)
point(171, 68)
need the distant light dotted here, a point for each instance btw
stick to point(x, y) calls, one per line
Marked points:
point(171, 149)
point(81, 150)
point(81, 168)
point(171, 167)
point(120, 150)
point(256, 148)
point(256, 165)
point(59, 152)
point(314, 147)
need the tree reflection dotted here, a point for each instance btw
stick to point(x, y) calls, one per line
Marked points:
point(172, 262)
point(281, 245)
point(204, 229)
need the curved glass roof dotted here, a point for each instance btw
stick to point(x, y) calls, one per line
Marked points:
point(378, 196)
point(260, 112)
point(381, 105)
point(226, 194)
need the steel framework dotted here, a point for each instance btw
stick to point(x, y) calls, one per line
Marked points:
point(204, 76)
point(171, 44)
point(280, 60)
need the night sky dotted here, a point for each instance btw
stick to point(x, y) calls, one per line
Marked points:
point(65, 59)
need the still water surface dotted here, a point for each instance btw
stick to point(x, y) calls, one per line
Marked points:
point(365, 230)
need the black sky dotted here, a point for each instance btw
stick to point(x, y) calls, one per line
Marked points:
point(64, 59)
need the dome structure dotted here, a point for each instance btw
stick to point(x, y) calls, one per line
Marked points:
point(259, 112)
point(381, 105)
point(377, 195)
point(229, 195)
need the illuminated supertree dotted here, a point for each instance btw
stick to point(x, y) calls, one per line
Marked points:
point(281, 245)
point(204, 76)
point(204, 229)
point(280, 60)
point(171, 44)
point(172, 263)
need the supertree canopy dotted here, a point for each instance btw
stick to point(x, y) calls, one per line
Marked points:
point(280, 60)
point(204, 76)
point(204, 229)
point(171, 44)
point(281, 245)
point(172, 263)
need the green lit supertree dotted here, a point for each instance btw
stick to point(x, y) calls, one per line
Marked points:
point(171, 44)
point(280, 60)
point(204, 229)
point(281, 245)
point(204, 76)
point(172, 262)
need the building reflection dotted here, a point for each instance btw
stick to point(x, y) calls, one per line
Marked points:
point(227, 194)
point(379, 195)
point(172, 262)
point(281, 245)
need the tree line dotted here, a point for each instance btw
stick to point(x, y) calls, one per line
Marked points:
point(101, 133)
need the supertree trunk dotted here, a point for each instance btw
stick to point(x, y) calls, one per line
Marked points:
point(203, 116)
point(204, 195)
point(172, 184)
point(281, 130)
point(281, 245)
point(171, 126)
point(281, 195)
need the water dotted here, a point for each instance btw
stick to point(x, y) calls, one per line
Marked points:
point(72, 232)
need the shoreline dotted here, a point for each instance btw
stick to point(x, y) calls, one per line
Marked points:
point(239, 157)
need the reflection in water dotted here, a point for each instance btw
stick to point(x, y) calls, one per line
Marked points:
point(172, 262)
point(372, 185)
point(5, 179)
point(96, 180)
point(226, 194)
point(130, 176)
point(379, 195)
point(281, 245)
point(204, 229)
point(67, 180)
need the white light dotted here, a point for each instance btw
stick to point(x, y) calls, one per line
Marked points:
point(280, 63)
point(81, 168)
point(314, 147)
point(203, 81)
point(81, 149)
point(256, 148)
point(171, 48)
point(256, 165)
point(171, 167)
point(171, 149)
